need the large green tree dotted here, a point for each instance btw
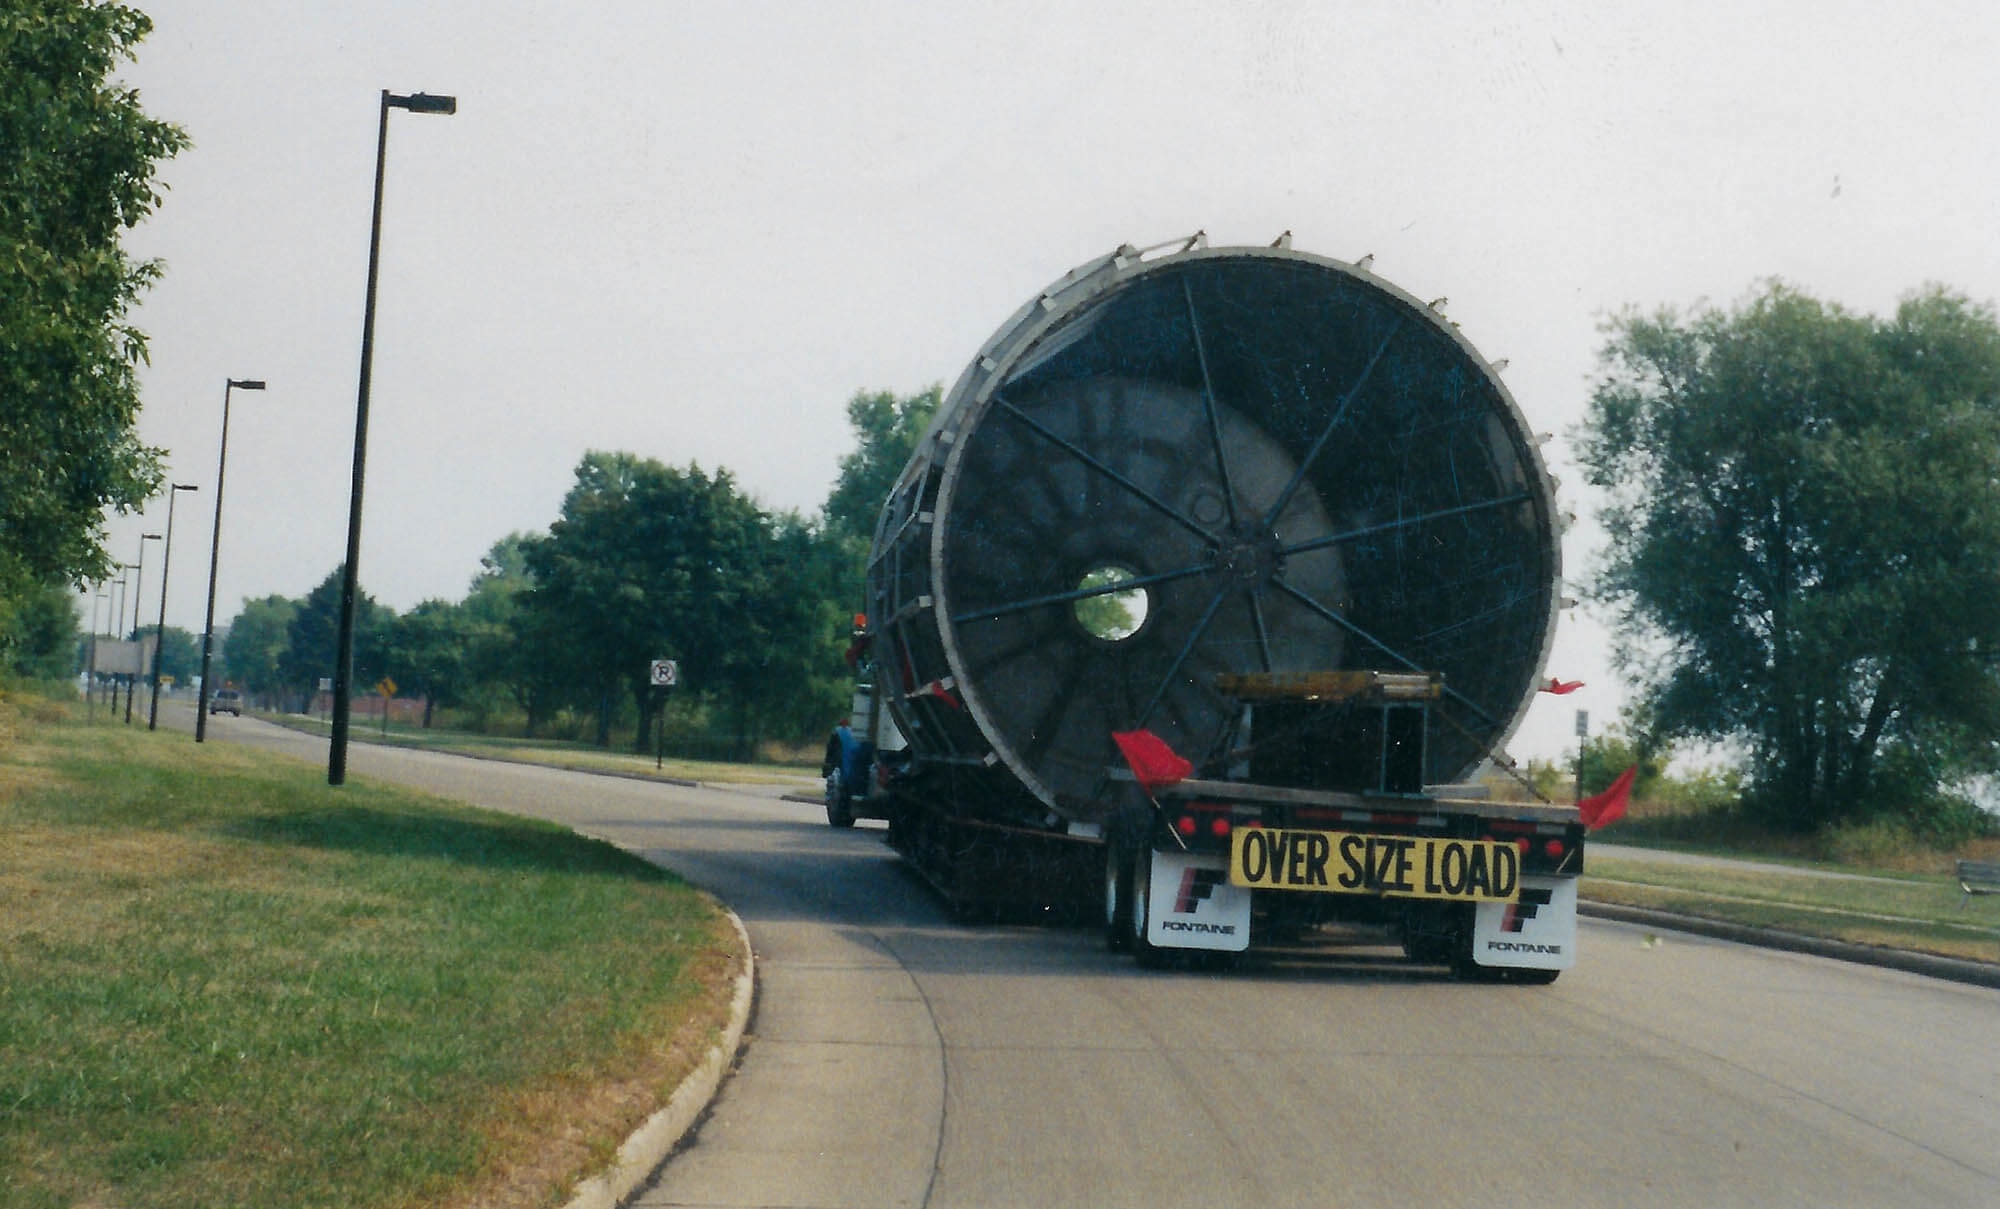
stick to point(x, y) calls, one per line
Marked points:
point(77, 162)
point(256, 640)
point(1805, 539)
point(886, 430)
point(650, 561)
point(313, 638)
point(427, 653)
point(509, 648)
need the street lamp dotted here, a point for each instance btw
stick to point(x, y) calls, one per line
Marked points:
point(160, 630)
point(118, 626)
point(138, 594)
point(102, 593)
point(214, 550)
point(350, 579)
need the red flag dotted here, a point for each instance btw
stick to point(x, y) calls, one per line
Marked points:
point(1153, 762)
point(1559, 687)
point(1604, 809)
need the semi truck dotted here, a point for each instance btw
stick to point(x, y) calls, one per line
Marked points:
point(1214, 584)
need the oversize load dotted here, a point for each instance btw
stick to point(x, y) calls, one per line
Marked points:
point(1396, 866)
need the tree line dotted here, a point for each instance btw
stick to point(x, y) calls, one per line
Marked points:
point(645, 561)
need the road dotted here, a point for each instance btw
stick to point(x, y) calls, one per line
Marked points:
point(899, 1059)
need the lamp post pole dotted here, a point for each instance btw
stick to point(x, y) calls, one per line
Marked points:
point(160, 630)
point(214, 553)
point(350, 579)
point(90, 688)
point(118, 626)
point(139, 596)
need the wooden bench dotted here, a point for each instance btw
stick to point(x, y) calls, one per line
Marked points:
point(1977, 877)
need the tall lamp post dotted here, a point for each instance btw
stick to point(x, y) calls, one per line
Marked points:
point(118, 630)
point(214, 550)
point(138, 595)
point(90, 693)
point(343, 662)
point(160, 630)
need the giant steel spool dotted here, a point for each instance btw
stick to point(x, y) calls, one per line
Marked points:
point(1275, 462)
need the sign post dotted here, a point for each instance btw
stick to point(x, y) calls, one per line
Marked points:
point(1582, 734)
point(387, 688)
point(662, 674)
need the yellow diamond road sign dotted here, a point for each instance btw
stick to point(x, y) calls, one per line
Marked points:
point(386, 687)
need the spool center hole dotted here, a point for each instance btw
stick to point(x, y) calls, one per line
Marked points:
point(1112, 616)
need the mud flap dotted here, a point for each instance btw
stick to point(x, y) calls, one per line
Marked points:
point(1536, 933)
point(1191, 905)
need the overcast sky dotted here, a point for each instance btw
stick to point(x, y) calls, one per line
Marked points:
point(693, 231)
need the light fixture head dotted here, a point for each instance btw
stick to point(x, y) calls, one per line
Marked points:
point(425, 102)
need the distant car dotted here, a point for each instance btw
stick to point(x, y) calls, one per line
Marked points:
point(226, 701)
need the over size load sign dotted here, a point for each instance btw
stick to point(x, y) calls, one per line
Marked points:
point(1394, 866)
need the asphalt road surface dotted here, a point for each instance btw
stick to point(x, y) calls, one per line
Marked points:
point(900, 1059)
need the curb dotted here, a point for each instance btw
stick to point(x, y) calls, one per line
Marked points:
point(1977, 973)
point(649, 1147)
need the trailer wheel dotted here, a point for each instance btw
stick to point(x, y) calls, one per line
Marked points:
point(1148, 954)
point(1117, 896)
point(839, 803)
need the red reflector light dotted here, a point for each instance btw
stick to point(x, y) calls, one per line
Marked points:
point(1219, 827)
point(1523, 845)
point(1553, 847)
point(1185, 824)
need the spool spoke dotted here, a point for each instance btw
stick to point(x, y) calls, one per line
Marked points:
point(1208, 404)
point(1320, 543)
point(1187, 648)
point(1263, 631)
point(1076, 594)
point(1339, 414)
point(1394, 654)
point(1082, 455)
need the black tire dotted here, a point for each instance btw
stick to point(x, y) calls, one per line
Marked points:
point(1117, 894)
point(839, 803)
point(1144, 951)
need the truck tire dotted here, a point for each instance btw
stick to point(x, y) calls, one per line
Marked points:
point(1117, 897)
point(1144, 951)
point(839, 803)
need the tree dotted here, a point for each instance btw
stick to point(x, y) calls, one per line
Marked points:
point(426, 652)
point(503, 650)
point(256, 642)
point(1805, 540)
point(39, 633)
point(887, 429)
point(646, 561)
point(77, 160)
point(649, 561)
point(179, 653)
point(313, 638)
point(782, 667)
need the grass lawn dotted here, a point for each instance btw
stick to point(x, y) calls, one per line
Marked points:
point(224, 983)
point(554, 753)
point(1924, 913)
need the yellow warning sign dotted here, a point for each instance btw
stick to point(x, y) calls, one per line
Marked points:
point(1395, 866)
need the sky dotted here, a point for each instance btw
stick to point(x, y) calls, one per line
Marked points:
point(694, 231)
